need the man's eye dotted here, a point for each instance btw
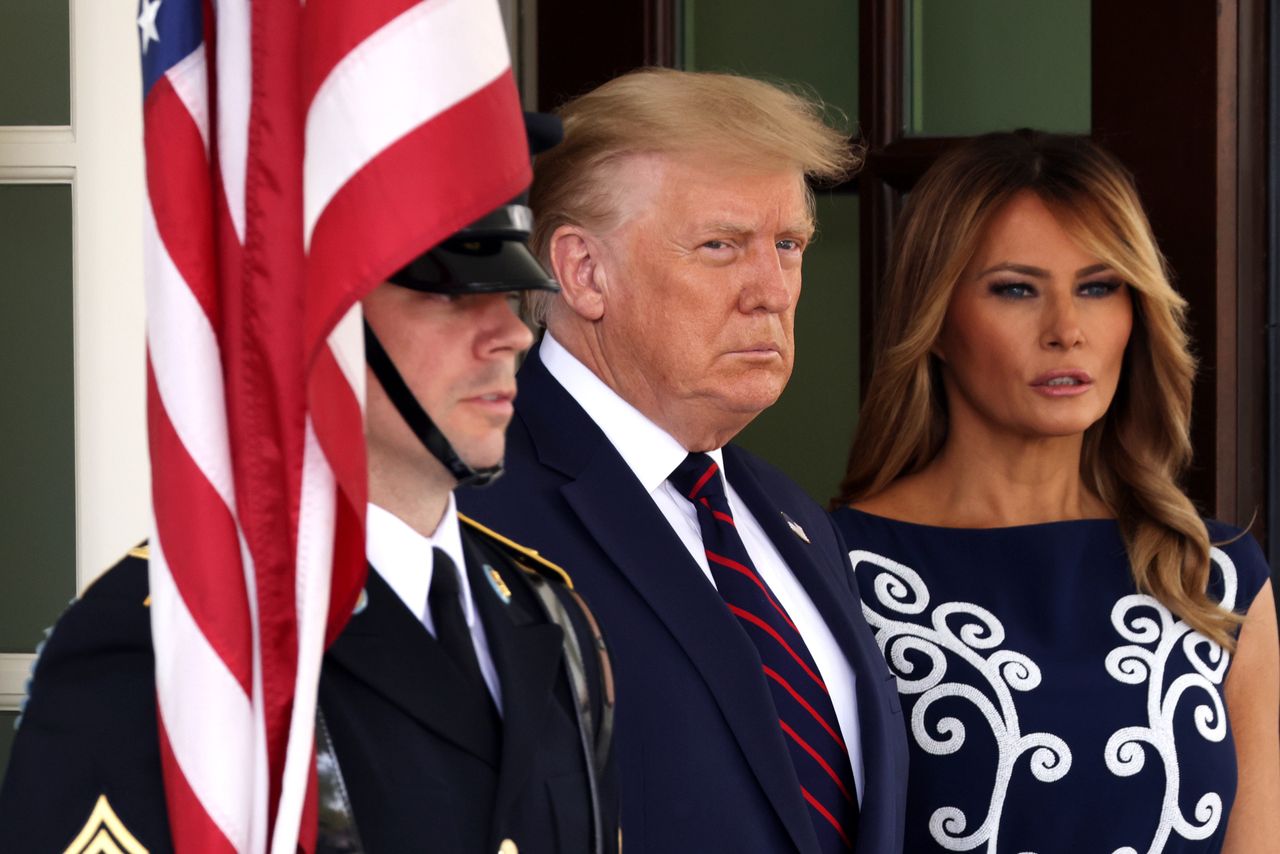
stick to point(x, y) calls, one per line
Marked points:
point(790, 245)
point(715, 244)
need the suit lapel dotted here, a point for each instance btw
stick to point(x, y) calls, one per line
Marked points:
point(840, 610)
point(626, 524)
point(803, 558)
point(526, 652)
point(388, 649)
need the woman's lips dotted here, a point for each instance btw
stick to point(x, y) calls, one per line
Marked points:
point(1062, 383)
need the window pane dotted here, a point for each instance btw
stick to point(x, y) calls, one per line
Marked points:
point(37, 456)
point(6, 739)
point(808, 431)
point(812, 43)
point(35, 62)
point(985, 65)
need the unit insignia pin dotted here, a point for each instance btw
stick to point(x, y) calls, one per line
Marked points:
point(795, 527)
point(499, 586)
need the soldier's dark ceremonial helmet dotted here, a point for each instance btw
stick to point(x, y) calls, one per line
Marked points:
point(491, 255)
point(488, 256)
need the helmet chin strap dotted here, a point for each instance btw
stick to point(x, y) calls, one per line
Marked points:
point(418, 420)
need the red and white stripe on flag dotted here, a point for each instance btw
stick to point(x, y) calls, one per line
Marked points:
point(297, 153)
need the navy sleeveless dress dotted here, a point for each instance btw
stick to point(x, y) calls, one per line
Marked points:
point(1050, 707)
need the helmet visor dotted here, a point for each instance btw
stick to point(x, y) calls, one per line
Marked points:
point(487, 256)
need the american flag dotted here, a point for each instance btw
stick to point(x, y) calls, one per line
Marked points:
point(296, 154)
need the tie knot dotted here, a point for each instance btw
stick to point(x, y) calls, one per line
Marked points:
point(444, 576)
point(698, 477)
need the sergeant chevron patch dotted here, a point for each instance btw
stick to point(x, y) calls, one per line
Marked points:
point(104, 833)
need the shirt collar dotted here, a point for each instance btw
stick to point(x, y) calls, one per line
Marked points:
point(403, 557)
point(649, 451)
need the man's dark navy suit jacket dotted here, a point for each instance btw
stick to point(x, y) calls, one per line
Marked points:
point(703, 764)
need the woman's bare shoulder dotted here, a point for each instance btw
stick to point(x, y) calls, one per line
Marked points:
point(906, 499)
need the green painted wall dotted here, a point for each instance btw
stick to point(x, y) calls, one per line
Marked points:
point(37, 454)
point(35, 62)
point(982, 65)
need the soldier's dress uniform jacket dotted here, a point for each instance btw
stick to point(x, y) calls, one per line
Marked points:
point(427, 765)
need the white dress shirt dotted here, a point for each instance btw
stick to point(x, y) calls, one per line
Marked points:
point(652, 454)
point(403, 558)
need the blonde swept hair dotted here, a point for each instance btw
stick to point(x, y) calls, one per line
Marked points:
point(1134, 457)
point(664, 111)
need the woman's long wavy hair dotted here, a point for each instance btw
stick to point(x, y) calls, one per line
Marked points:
point(1134, 456)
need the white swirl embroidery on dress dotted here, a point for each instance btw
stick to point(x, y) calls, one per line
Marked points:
point(900, 589)
point(1143, 660)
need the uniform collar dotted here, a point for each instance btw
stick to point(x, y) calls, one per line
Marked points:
point(403, 557)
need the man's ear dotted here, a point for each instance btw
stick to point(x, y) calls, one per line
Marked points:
point(575, 263)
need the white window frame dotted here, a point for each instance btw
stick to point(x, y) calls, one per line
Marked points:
point(99, 154)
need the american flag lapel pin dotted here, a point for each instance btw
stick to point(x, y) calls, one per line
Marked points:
point(795, 527)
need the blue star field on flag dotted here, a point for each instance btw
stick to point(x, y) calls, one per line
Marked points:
point(168, 31)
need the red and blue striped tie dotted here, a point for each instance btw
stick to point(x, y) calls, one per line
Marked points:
point(803, 703)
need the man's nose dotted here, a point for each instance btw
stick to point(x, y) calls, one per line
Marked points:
point(503, 326)
point(768, 286)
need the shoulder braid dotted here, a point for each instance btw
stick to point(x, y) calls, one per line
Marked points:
point(521, 555)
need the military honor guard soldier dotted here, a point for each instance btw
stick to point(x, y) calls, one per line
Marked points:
point(467, 705)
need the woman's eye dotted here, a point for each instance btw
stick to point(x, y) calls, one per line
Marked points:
point(1100, 288)
point(1013, 290)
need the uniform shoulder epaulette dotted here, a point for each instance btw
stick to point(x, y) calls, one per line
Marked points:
point(109, 585)
point(519, 553)
point(108, 577)
point(142, 551)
